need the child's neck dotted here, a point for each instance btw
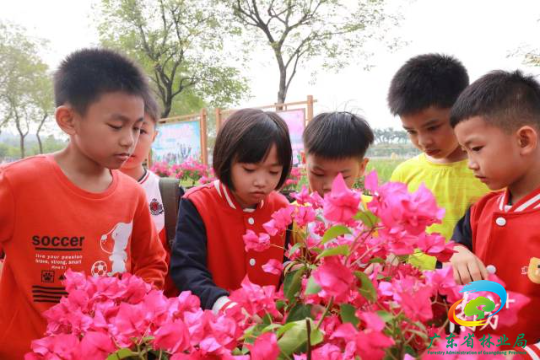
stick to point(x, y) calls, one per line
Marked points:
point(528, 183)
point(83, 171)
point(135, 173)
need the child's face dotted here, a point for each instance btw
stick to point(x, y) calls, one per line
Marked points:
point(146, 138)
point(109, 130)
point(430, 131)
point(494, 155)
point(321, 172)
point(253, 182)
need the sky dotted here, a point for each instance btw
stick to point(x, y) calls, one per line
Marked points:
point(483, 34)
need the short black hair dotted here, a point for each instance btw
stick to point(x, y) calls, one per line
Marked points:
point(86, 74)
point(507, 100)
point(247, 137)
point(425, 81)
point(337, 135)
point(151, 107)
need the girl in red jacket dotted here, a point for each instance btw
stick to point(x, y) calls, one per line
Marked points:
point(252, 158)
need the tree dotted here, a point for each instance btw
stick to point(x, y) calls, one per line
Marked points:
point(25, 86)
point(300, 30)
point(179, 43)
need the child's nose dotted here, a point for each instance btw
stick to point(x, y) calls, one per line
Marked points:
point(128, 139)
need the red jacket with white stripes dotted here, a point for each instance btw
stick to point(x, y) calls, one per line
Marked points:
point(507, 239)
point(208, 257)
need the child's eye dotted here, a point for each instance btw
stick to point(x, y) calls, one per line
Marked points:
point(115, 127)
point(144, 131)
point(410, 132)
point(317, 175)
point(274, 172)
point(249, 170)
point(137, 129)
point(433, 128)
point(477, 148)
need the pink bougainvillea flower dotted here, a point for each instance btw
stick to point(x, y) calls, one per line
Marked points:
point(255, 299)
point(265, 347)
point(63, 346)
point(334, 278)
point(303, 197)
point(96, 345)
point(304, 215)
point(399, 210)
point(341, 204)
point(442, 281)
point(435, 245)
point(256, 243)
point(173, 337)
point(372, 321)
point(417, 303)
point(281, 219)
point(273, 267)
point(372, 345)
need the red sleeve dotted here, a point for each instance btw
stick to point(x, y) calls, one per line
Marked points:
point(7, 209)
point(147, 252)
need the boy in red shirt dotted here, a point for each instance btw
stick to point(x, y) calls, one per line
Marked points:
point(71, 209)
point(497, 121)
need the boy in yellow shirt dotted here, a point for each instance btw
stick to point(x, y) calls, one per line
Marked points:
point(422, 93)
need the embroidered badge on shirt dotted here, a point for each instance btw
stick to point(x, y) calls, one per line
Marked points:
point(155, 207)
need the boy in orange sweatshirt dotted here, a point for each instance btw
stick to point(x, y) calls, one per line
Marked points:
point(72, 209)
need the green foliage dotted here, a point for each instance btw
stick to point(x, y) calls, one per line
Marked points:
point(296, 31)
point(180, 44)
point(25, 86)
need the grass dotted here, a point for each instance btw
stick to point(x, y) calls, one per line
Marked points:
point(384, 168)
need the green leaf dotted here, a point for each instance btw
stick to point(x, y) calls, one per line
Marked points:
point(271, 327)
point(367, 217)
point(377, 260)
point(295, 338)
point(337, 250)
point(385, 315)
point(293, 282)
point(122, 354)
point(299, 312)
point(312, 286)
point(334, 232)
point(282, 330)
point(366, 289)
point(294, 248)
point(419, 333)
point(347, 314)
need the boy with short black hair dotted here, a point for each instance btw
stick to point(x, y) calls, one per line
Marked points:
point(421, 94)
point(158, 202)
point(71, 209)
point(334, 143)
point(497, 121)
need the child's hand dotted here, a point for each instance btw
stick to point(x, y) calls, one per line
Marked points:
point(467, 266)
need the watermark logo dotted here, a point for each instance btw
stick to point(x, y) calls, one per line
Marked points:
point(473, 307)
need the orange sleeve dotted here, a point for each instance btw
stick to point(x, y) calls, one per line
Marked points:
point(7, 209)
point(147, 252)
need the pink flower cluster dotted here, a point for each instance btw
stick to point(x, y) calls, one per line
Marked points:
point(190, 170)
point(102, 315)
point(293, 179)
point(348, 292)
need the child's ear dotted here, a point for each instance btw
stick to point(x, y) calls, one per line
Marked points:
point(362, 164)
point(303, 156)
point(527, 138)
point(64, 119)
point(155, 134)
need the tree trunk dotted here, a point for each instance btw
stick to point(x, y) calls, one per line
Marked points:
point(37, 133)
point(282, 93)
